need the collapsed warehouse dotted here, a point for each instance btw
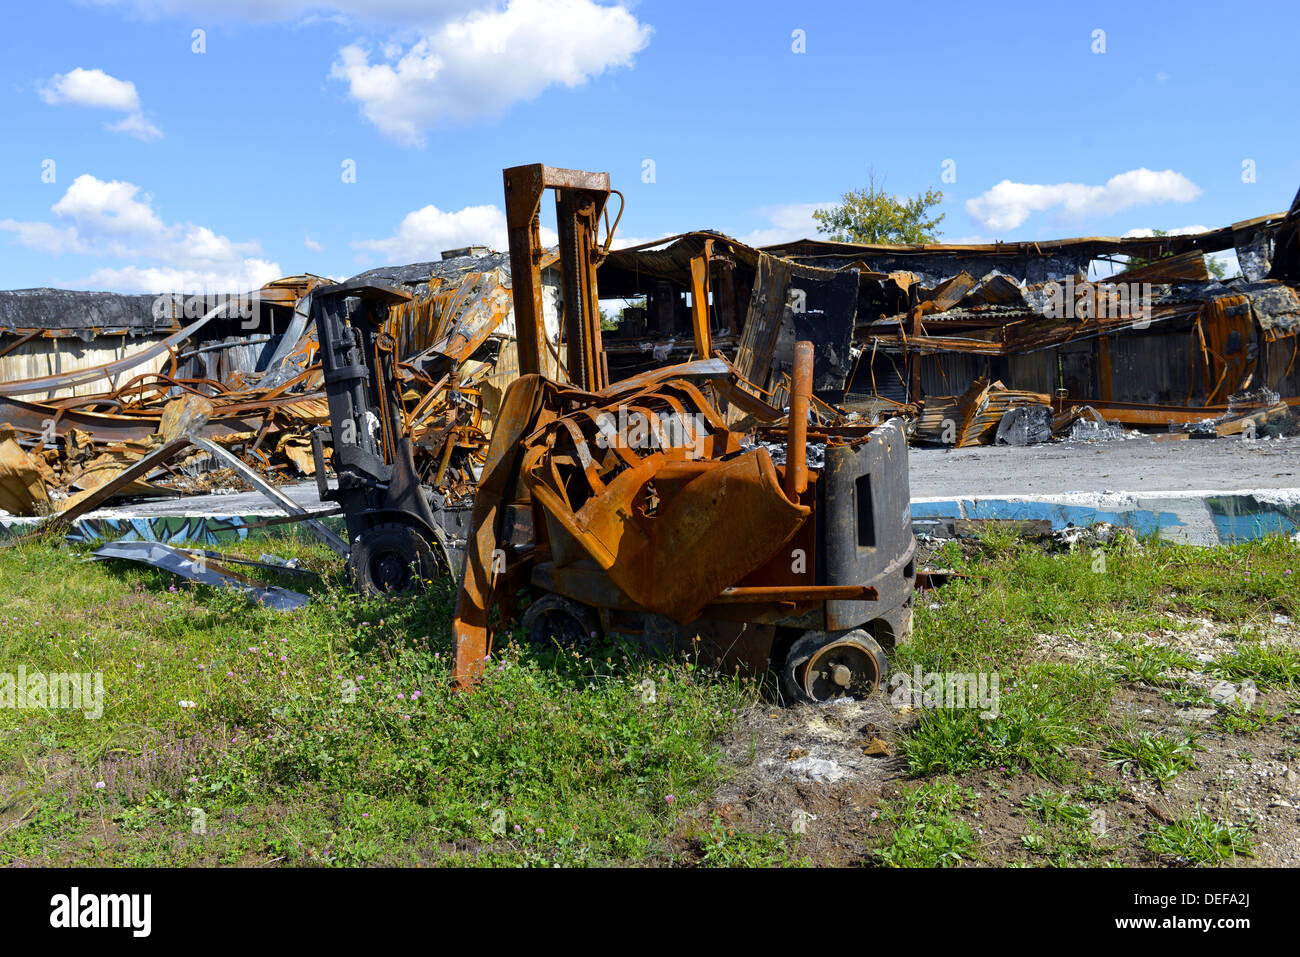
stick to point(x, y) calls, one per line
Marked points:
point(960, 341)
point(943, 332)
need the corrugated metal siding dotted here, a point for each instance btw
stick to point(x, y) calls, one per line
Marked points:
point(234, 354)
point(949, 373)
point(56, 356)
point(1284, 366)
point(1157, 368)
point(889, 374)
point(1033, 371)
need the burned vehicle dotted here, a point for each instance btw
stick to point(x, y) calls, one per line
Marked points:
point(681, 507)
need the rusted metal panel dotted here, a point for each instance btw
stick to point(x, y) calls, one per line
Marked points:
point(22, 489)
point(767, 306)
point(700, 302)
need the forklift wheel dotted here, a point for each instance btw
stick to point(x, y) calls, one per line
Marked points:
point(822, 666)
point(392, 558)
point(554, 619)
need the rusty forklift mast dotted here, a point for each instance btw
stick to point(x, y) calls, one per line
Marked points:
point(580, 199)
point(579, 203)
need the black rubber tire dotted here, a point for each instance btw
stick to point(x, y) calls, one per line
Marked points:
point(554, 619)
point(808, 645)
point(391, 559)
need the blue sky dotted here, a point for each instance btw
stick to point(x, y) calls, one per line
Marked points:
point(174, 169)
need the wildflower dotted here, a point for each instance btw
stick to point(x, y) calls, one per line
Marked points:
point(670, 798)
point(100, 785)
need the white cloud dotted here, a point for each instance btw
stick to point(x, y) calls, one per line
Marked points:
point(486, 61)
point(786, 223)
point(400, 12)
point(312, 244)
point(1145, 232)
point(625, 242)
point(109, 207)
point(423, 234)
point(44, 237)
point(113, 218)
point(97, 90)
point(201, 245)
point(93, 88)
point(136, 125)
point(1007, 205)
point(457, 60)
point(244, 276)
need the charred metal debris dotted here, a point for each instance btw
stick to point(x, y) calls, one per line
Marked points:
point(690, 443)
point(957, 340)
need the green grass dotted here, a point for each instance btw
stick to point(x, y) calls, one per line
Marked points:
point(724, 846)
point(1268, 666)
point(331, 735)
point(1145, 663)
point(308, 745)
point(1045, 715)
point(1201, 839)
point(1009, 591)
point(1237, 720)
point(1053, 807)
point(926, 829)
point(1162, 756)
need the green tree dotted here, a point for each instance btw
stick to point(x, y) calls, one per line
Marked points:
point(872, 215)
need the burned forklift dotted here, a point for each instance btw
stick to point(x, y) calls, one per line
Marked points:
point(397, 529)
point(675, 509)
